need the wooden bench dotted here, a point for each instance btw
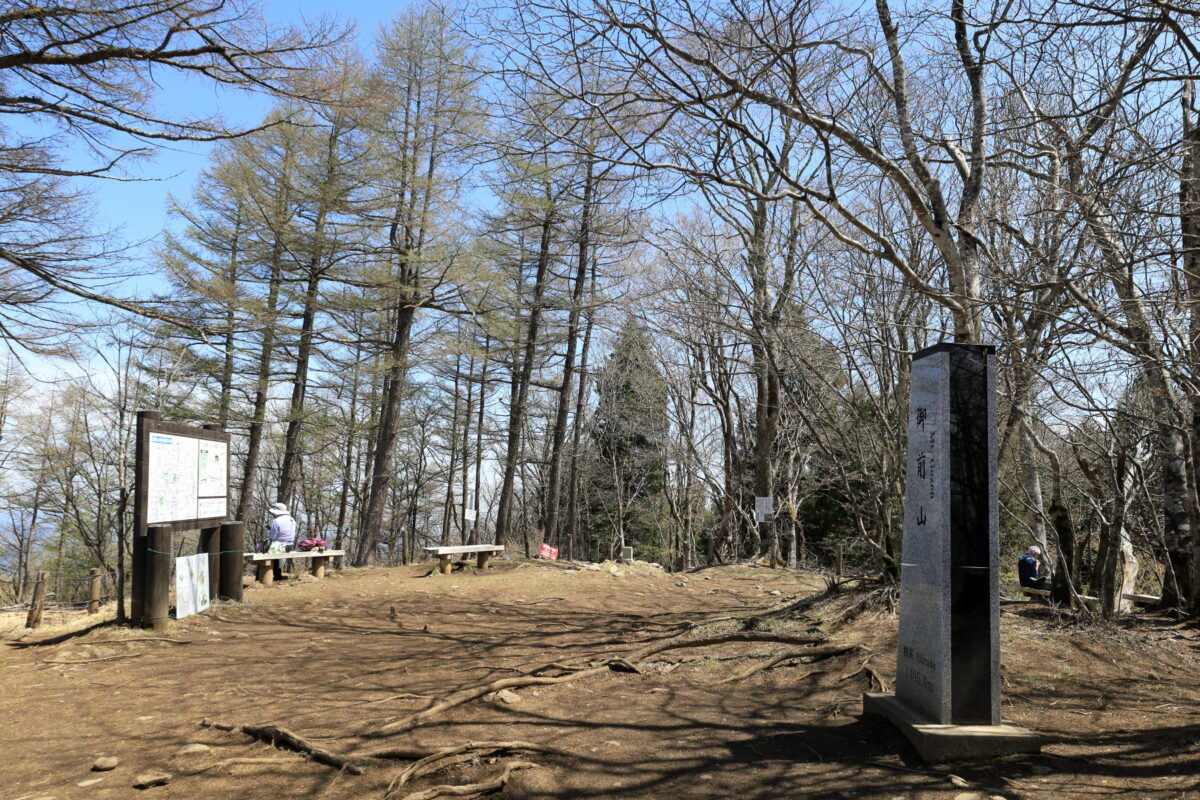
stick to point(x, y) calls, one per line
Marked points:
point(264, 562)
point(1139, 599)
point(483, 553)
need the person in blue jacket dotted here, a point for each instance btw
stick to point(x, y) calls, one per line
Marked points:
point(1030, 571)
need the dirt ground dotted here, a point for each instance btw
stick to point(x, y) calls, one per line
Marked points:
point(335, 661)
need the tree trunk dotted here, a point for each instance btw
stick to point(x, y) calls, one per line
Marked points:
point(1189, 224)
point(1066, 577)
point(577, 429)
point(261, 389)
point(348, 458)
point(464, 488)
point(559, 434)
point(291, 449)
point(225, 400)
point(385, 437)
point(483, 394)
point(521, 377)
point(1111, 557)
point(1031, 482)
point(448, 501)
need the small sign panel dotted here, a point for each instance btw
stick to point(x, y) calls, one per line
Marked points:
point(763, 508)
point(208, 507)
point(546, 551)
point(212, 468)
point(191, 585)
point(470, 514)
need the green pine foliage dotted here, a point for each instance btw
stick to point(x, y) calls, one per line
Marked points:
point(629, 431)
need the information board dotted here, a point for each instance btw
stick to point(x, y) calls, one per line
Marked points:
point(191, 585)
point(763, 507)
point(186, 478)
point(181, 482)
point(171, 478)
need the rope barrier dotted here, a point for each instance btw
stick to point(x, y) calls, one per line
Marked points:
point(203, 553)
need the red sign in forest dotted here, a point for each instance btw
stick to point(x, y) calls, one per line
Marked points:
point(546, 551)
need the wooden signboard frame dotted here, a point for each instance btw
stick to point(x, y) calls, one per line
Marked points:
point(148, 424)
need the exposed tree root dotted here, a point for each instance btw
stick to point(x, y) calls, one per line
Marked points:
point(474, 692)
point(736, 636)
point(426, 761)
point(615, 664)
point(437, 760)
point(883, 686)
point(388, 699)
point(135, 640)
point(470, 788)
point(574, 672)
point(233, 762)
point(787, 655)
point(872, 675)
point(95, 660)
point(282, 737)
point(885, 596)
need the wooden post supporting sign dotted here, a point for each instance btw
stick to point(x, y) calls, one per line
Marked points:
point(232, 538)
point(137, 589)
point(157, 601)
point(210, 542)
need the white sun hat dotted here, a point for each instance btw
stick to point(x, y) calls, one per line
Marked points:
point(278, 510)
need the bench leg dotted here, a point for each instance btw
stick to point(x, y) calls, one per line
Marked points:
point(266, 573)
point(318, 566)
point(444, 565)
point(481, 559)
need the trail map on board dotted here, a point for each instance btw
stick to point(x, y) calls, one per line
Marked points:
point(171, 478)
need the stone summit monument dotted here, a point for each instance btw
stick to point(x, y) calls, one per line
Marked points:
point(947, 699)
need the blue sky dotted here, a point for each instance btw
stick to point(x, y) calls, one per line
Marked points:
point(138, 209)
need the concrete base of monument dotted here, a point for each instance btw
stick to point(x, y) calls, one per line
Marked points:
point(940, 743)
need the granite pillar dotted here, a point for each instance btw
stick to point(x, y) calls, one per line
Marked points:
point(948, 647)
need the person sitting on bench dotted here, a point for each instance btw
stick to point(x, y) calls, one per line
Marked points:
point(282, 530)
point(1029, 570)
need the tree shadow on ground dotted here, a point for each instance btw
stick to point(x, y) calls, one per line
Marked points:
point(69, 635)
